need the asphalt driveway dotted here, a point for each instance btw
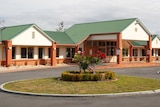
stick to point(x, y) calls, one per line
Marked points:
point(15, 100)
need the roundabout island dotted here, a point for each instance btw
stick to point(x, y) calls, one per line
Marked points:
point(124, 85)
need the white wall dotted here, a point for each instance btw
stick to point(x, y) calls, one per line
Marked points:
point(25, 38)
point(46, 53)
point(35, 52)
point(62, 52)
point(156, 43)
point(18, 52)
point(103, 37)
point(130, 33)
point(82, 46)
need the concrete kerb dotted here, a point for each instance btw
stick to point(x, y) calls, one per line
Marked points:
point(79, 95)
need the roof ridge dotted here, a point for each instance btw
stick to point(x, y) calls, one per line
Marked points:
point(18, 25)
point(106, 21)
point(53, 31)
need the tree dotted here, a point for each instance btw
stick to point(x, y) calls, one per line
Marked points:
point(88, 62)
point(60, 27)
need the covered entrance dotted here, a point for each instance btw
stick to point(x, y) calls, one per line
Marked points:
point(116, 49)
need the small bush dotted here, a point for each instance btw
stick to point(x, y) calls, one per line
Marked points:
point(87, 76)
point(109, 75)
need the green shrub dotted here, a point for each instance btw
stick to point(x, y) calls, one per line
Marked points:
point(87, 76)
point(109, 75)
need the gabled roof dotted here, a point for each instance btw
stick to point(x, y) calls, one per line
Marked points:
point(139, 43)
point(154, 36)
point(60, 37)
point(79, 32)
point(8, 33)
point(142, 43)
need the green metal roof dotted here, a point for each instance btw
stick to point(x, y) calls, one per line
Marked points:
point(75, 34)
point(142, 43)
point(79, 32)
point(139, 43)
point(153, 37)
point(8, 33)
point(60, 37)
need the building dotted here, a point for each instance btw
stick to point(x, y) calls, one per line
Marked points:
point(126, 40)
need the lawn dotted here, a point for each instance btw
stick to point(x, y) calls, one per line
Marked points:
point(55, 86)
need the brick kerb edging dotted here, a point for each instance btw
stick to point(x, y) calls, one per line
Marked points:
point(79, 95)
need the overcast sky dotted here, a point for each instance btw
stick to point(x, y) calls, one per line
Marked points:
point(47, 14)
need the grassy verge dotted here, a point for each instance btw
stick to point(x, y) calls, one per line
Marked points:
point(54, 86)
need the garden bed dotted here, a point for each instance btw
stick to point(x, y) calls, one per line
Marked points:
point(87, 76)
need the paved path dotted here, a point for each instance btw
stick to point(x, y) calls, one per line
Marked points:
point(14, 100)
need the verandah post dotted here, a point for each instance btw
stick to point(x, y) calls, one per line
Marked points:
point(119, 48)
point(53, 54)
point(8, 49)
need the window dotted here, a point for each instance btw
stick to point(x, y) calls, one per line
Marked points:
point(95, 43)
point(135, 52)
point(125, 52)
point(49, 52)
point(57, 52)
point(70, 52)
point(108, 43)
point(143, 52)
point(23, 52)
point(40, 53)
point(156, 41)
point(27, 53)
point(33, 35)
point(110, 51)
point(158, 52)
point(13, 52)
point(101, 43)
point(136, 29)
point(153, 52)
point(89, 43)
point(30, 52)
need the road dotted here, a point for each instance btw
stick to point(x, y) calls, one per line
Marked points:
point(16, 100)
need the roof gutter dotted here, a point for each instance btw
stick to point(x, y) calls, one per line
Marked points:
point(66, 44)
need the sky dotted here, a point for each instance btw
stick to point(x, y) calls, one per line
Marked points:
point(47, 14)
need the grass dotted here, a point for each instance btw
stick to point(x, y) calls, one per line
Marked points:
point(54, 86)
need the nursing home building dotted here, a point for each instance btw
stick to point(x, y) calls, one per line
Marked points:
point(126, 40)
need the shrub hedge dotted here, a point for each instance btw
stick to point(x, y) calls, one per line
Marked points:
point(87, 76)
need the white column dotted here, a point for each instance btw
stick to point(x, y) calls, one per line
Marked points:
point(35, 52)
point(154, 52)
point(18, 52)
point(46, 53)
point(139, 52)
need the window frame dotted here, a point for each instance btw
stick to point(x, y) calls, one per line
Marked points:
point(40, 53)
point(23, 52)
point(13, 52)
point(125, 52)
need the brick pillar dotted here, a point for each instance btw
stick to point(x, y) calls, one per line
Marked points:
point(119, 48)
point(53, 54)
point(84, 48)
point(76, 48)
point(150, 49)
point(8, 48)
point(131, 52)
